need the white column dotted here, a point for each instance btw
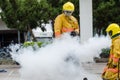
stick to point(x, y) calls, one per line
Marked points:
point(86, 26)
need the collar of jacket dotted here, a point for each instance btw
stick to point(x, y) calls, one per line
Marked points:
point(115, 36)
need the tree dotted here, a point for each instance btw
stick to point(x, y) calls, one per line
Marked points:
point(104, 13)
point(28, 14)
point(24, 14)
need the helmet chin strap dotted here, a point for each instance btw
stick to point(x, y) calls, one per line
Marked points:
point(115, 35)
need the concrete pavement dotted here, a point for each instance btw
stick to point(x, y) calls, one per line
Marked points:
point(11, 74)
point(95, 68)
point(13, 70)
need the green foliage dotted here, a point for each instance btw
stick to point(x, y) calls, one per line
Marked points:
point(105, 53)
point(27, 44)
point(39, 43)
point(106, 50)
point(7, 13)
point(22, 13)
point(104, 13)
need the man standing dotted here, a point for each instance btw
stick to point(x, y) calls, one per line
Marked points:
point(65, 22)
point(112, 69)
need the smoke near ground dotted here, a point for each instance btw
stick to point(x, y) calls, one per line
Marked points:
point(60, 60)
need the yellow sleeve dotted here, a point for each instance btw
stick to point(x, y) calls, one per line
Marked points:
point(77, 29)
point(58, 26)
point(76, 25)
point(116, 49)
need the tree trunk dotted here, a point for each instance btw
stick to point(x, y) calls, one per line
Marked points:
point(53, 28)
point(31, 32)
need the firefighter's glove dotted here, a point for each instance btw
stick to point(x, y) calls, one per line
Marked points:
point(73, 33)
point(107, 64)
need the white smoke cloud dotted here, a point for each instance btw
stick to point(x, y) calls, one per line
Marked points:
point(60, 60)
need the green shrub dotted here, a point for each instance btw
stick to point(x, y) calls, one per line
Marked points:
point(105, 53)
point(39, 44)
point(27, 44)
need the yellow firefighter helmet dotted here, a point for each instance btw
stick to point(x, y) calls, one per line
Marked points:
point(68, 6)
point(113, 29)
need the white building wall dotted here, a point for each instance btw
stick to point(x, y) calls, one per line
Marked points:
point(86, 23)
point(3, 25)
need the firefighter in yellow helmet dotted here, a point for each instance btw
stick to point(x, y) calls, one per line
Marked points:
point(111, 71)
point(65, 22)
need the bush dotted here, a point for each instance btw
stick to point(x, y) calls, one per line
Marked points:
point(27, 44)
point(105, 53)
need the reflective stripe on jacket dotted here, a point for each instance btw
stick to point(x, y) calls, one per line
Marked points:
point(114, 70)
point(65, 24)
point(113, 58)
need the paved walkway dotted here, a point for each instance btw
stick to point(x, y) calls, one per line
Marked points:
point(13, 74)
point(95, 68)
